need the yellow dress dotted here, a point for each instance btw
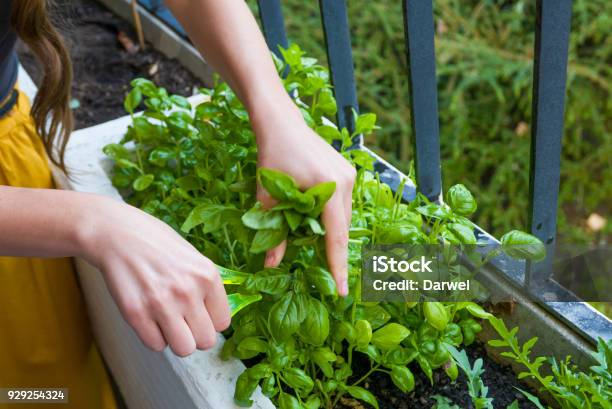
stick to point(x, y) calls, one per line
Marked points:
point(45, 335)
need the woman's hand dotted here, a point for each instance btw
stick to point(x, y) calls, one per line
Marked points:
point(166, 290)
point(286, 143)
point(227, 35)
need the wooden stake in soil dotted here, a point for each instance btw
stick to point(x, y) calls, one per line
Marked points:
point(138, 24)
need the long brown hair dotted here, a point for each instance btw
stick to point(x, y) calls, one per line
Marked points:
point(51, 109)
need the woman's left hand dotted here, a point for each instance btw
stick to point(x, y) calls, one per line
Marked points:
point(286, 143)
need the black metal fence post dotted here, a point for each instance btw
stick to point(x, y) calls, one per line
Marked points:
point(340, 57)
point(550, 66)
point(421, 56)
point(273, 24)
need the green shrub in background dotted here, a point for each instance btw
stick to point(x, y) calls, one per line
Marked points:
point(484, 53)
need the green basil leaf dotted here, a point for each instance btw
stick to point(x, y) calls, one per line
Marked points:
point(132, 100)
point(330, 385)
point(362, 159)
point(461, 233)
point(372, 352)
point(116, 151)
point(298, 380)
point(521, 245)
point(259, 218)
point(231, 276)
point(363, 331)
point(315, 226)
point(284, 317)
point(260, 371)
point(274, 282)
point(286, 401)
point(314, 402)
point(434, 211)
point(213, 216)
point(452, 334)
point(390, 336)
point(278, 184)
point(315, 328)
point(245, 386)
point(268, 386)
point(147, 131)
point(460, 199)
point(321, 279)
point(293, 218)
point(365, 123)
point(251, 347)
point(179, 122)
point(326, 102)
point(126, 164)
point(365, 395)
point(450, 367)
point(180, 101)
point(436, 315)
point(239, 301)
point(159, 156)
point(402, 378)
point(475, 309)
point(425, 367)
point(143, 182)
point(323, 358)
point(321, 194)
point(401, 356)
point(329, 133)
point(345, 330)
point(376, 315)
point(188, 183)
point(268, 238)
point(399, 233)
point(301, 202)
point(147, 86)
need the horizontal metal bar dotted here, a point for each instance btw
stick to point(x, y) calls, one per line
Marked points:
point(421, 57)
point(340, 57)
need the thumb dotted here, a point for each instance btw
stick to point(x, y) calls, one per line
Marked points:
point(275, 255)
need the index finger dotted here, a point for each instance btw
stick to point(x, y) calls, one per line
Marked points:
point(336, 241)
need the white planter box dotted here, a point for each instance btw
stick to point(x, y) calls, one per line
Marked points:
point(146, 379)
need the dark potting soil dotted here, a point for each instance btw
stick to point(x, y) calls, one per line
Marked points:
point(103, 67)
point(500, 380)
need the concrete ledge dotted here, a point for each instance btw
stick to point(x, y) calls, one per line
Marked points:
point(146, 379)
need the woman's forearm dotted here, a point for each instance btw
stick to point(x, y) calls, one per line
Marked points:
point(167, 291)
point(42, 222)
point(226, 33)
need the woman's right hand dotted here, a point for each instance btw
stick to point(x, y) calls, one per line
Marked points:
point(166, 290)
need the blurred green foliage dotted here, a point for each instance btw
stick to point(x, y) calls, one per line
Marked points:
point(484, 52)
